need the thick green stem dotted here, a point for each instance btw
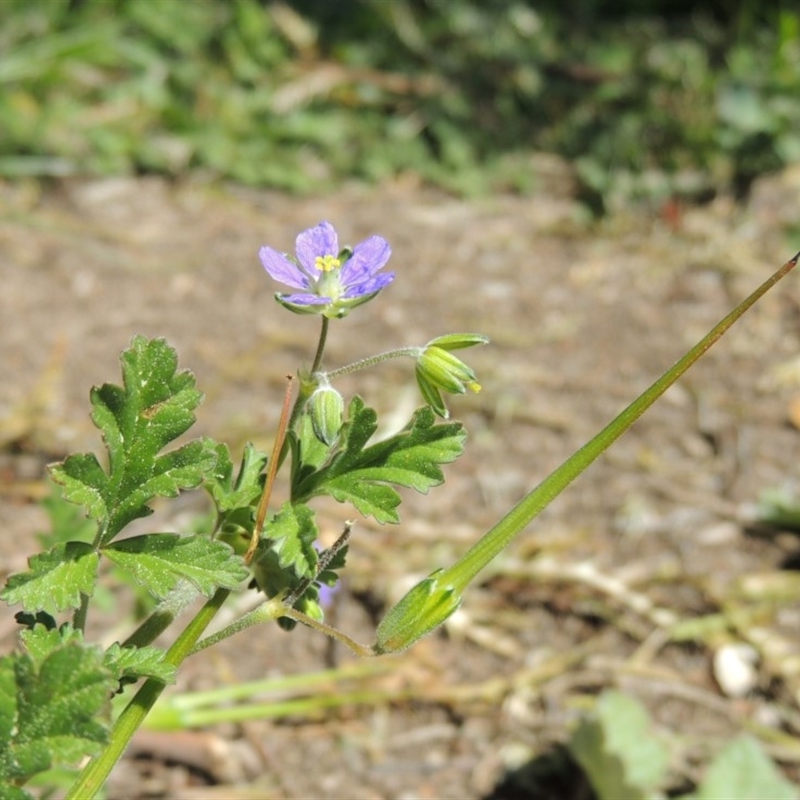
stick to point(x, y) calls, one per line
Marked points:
point(95, 773)
point(163, 616)
point(79, 617)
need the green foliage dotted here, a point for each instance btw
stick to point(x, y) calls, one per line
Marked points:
point(286, 558)
point(51, 707)
point(618, 751)
point(361, 474)
point(741, 771)
point(299, 95)
point(55, 699)
point(290, 536)
point(232, 494)
point(159, 560)
point(56, 579)
point(132, 663)
point(625, 759)
point(153, 407)
point(350, 470)
point(55, 695)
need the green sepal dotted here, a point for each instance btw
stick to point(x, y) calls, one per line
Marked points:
point(336, 309)
point(432, 396)
point(426, 606)
point(326, 410)
point(458, 341)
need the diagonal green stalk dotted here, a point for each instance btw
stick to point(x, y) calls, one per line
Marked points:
point(460, 574)
point(95, 773)
point(428, 604)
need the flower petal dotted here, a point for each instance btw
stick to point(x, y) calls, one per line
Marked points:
point(281, 269)
point(305, 299)
point(368, 257)
point(318, 241)
point(368, 286)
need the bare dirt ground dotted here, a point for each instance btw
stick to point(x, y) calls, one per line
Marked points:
point(582, 318)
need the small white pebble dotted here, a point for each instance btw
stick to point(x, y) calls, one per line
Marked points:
point(735, 669)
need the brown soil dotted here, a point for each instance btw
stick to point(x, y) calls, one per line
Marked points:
point(582, 318)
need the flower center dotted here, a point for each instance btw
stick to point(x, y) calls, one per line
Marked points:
point(327, 263)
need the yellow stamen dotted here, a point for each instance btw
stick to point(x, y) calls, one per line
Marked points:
point(327, 263)
point(474, 386)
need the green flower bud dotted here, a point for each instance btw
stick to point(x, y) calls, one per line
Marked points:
point(438, 369)
point(326, 409)
point(422, 609)
point(457, 341)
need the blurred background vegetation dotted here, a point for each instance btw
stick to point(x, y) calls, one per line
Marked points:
point(659, 99)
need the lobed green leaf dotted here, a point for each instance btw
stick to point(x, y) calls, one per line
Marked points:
point(154, 406)
point(56, 579)
point(40, 641)
point(54, 711)
point(364, 475)
point(159, 560)
point(245, 489)
point(131, 663)
point(286, 553)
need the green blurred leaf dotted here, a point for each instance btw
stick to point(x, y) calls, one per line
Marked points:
point(10, 792)
point(741, 771)
point(56, 579)
point(67, 521)
point(618, 750)
point(780, 509)
point(159, 560)
point(54, 712)
point(300, 95)
point(153, 407)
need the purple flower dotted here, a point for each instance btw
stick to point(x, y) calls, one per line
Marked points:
point(326, 594)
point(330, 281)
